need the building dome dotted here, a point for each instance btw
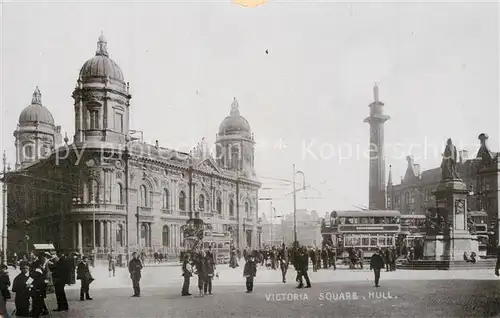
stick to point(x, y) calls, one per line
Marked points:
point(36, 112)
point(234, 123)
point(101, 65)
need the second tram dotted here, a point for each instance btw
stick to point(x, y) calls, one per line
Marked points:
point(365, 230)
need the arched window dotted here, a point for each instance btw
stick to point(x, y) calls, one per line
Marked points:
point(247, 209)
point(235, 157)
point(118, 195)
point(201, 202)
point(93, 191)
point(28, 152)
point(165, 199)
point(231, 207)
point(166, 236)
point(119, 235)
point(143, 196)
point(182, 201)
point(219, 205)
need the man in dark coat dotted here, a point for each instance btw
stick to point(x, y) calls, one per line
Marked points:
point(377, 263)
point(283, 261)
point(134, 268)
point(60, 275)
point(302, 267)
point(187, 274)
point(313, 259)
point(83, 274)
point(22, 287)
point(209, 273)
point(38, 290)
point(249, 272)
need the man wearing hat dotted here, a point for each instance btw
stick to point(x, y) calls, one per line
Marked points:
point(22, 286)
point(377, 263)
point(83, 274)
point(60, 277)
point(134, 268)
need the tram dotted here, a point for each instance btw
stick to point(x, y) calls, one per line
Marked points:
point(365, 230)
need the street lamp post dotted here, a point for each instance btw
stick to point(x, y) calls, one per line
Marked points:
point(94, 251)
point(295, 202)
point(4, 210)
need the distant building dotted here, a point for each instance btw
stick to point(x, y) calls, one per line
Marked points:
point(481, 174)
point(308, 228)
point(272, 234)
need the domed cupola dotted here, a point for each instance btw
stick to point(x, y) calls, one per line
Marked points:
point(101, 66)
point(235, 143)
point(102, 100)
point(234, 123)
point(36, 134)
point(36, 113)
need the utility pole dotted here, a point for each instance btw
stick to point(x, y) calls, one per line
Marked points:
point(4, 210)
point(294, 209)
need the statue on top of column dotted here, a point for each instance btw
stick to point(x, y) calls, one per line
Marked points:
point(449, 164)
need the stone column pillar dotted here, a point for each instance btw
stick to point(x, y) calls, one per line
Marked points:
point(111, 242)
point(79, 236)
point(74, 233)
point(101, 234)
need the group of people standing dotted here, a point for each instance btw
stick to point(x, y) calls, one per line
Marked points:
point(203, 265)
point(43, 274)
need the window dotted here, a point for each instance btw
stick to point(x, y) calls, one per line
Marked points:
point(118, 195)
point(231, 207)
point(119, 122)
point(407, 197)
point(94, 119)
point(93, 191)
point(219, 205)
point(201, 202)
point(143, 235)
point(165, 199)
point(28, 152)
point(143, 196)
point(166, 236)
point(182, 201)
point(247, 210)
point(235, 157)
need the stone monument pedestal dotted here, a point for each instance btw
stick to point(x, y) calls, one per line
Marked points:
point(449, 247)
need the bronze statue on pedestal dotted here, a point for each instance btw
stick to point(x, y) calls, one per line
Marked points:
point(449, 163)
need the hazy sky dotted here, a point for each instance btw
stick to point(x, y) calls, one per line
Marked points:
point(436, 65)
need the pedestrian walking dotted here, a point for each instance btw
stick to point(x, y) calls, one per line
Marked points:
point(85, 277)
point(134, 268)
point(283, 259)
point(112, 263)
point(302, 267)
point(377, 263)
point(250, 272)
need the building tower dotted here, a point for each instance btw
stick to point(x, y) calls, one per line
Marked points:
point(235, 143)
point(36, 134)
point(102, 100)
point(376, 120)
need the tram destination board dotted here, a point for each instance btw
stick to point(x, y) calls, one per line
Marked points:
point(369, 228)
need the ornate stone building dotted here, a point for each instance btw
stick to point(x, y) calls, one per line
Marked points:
point(126, 192)
point(481, 174)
